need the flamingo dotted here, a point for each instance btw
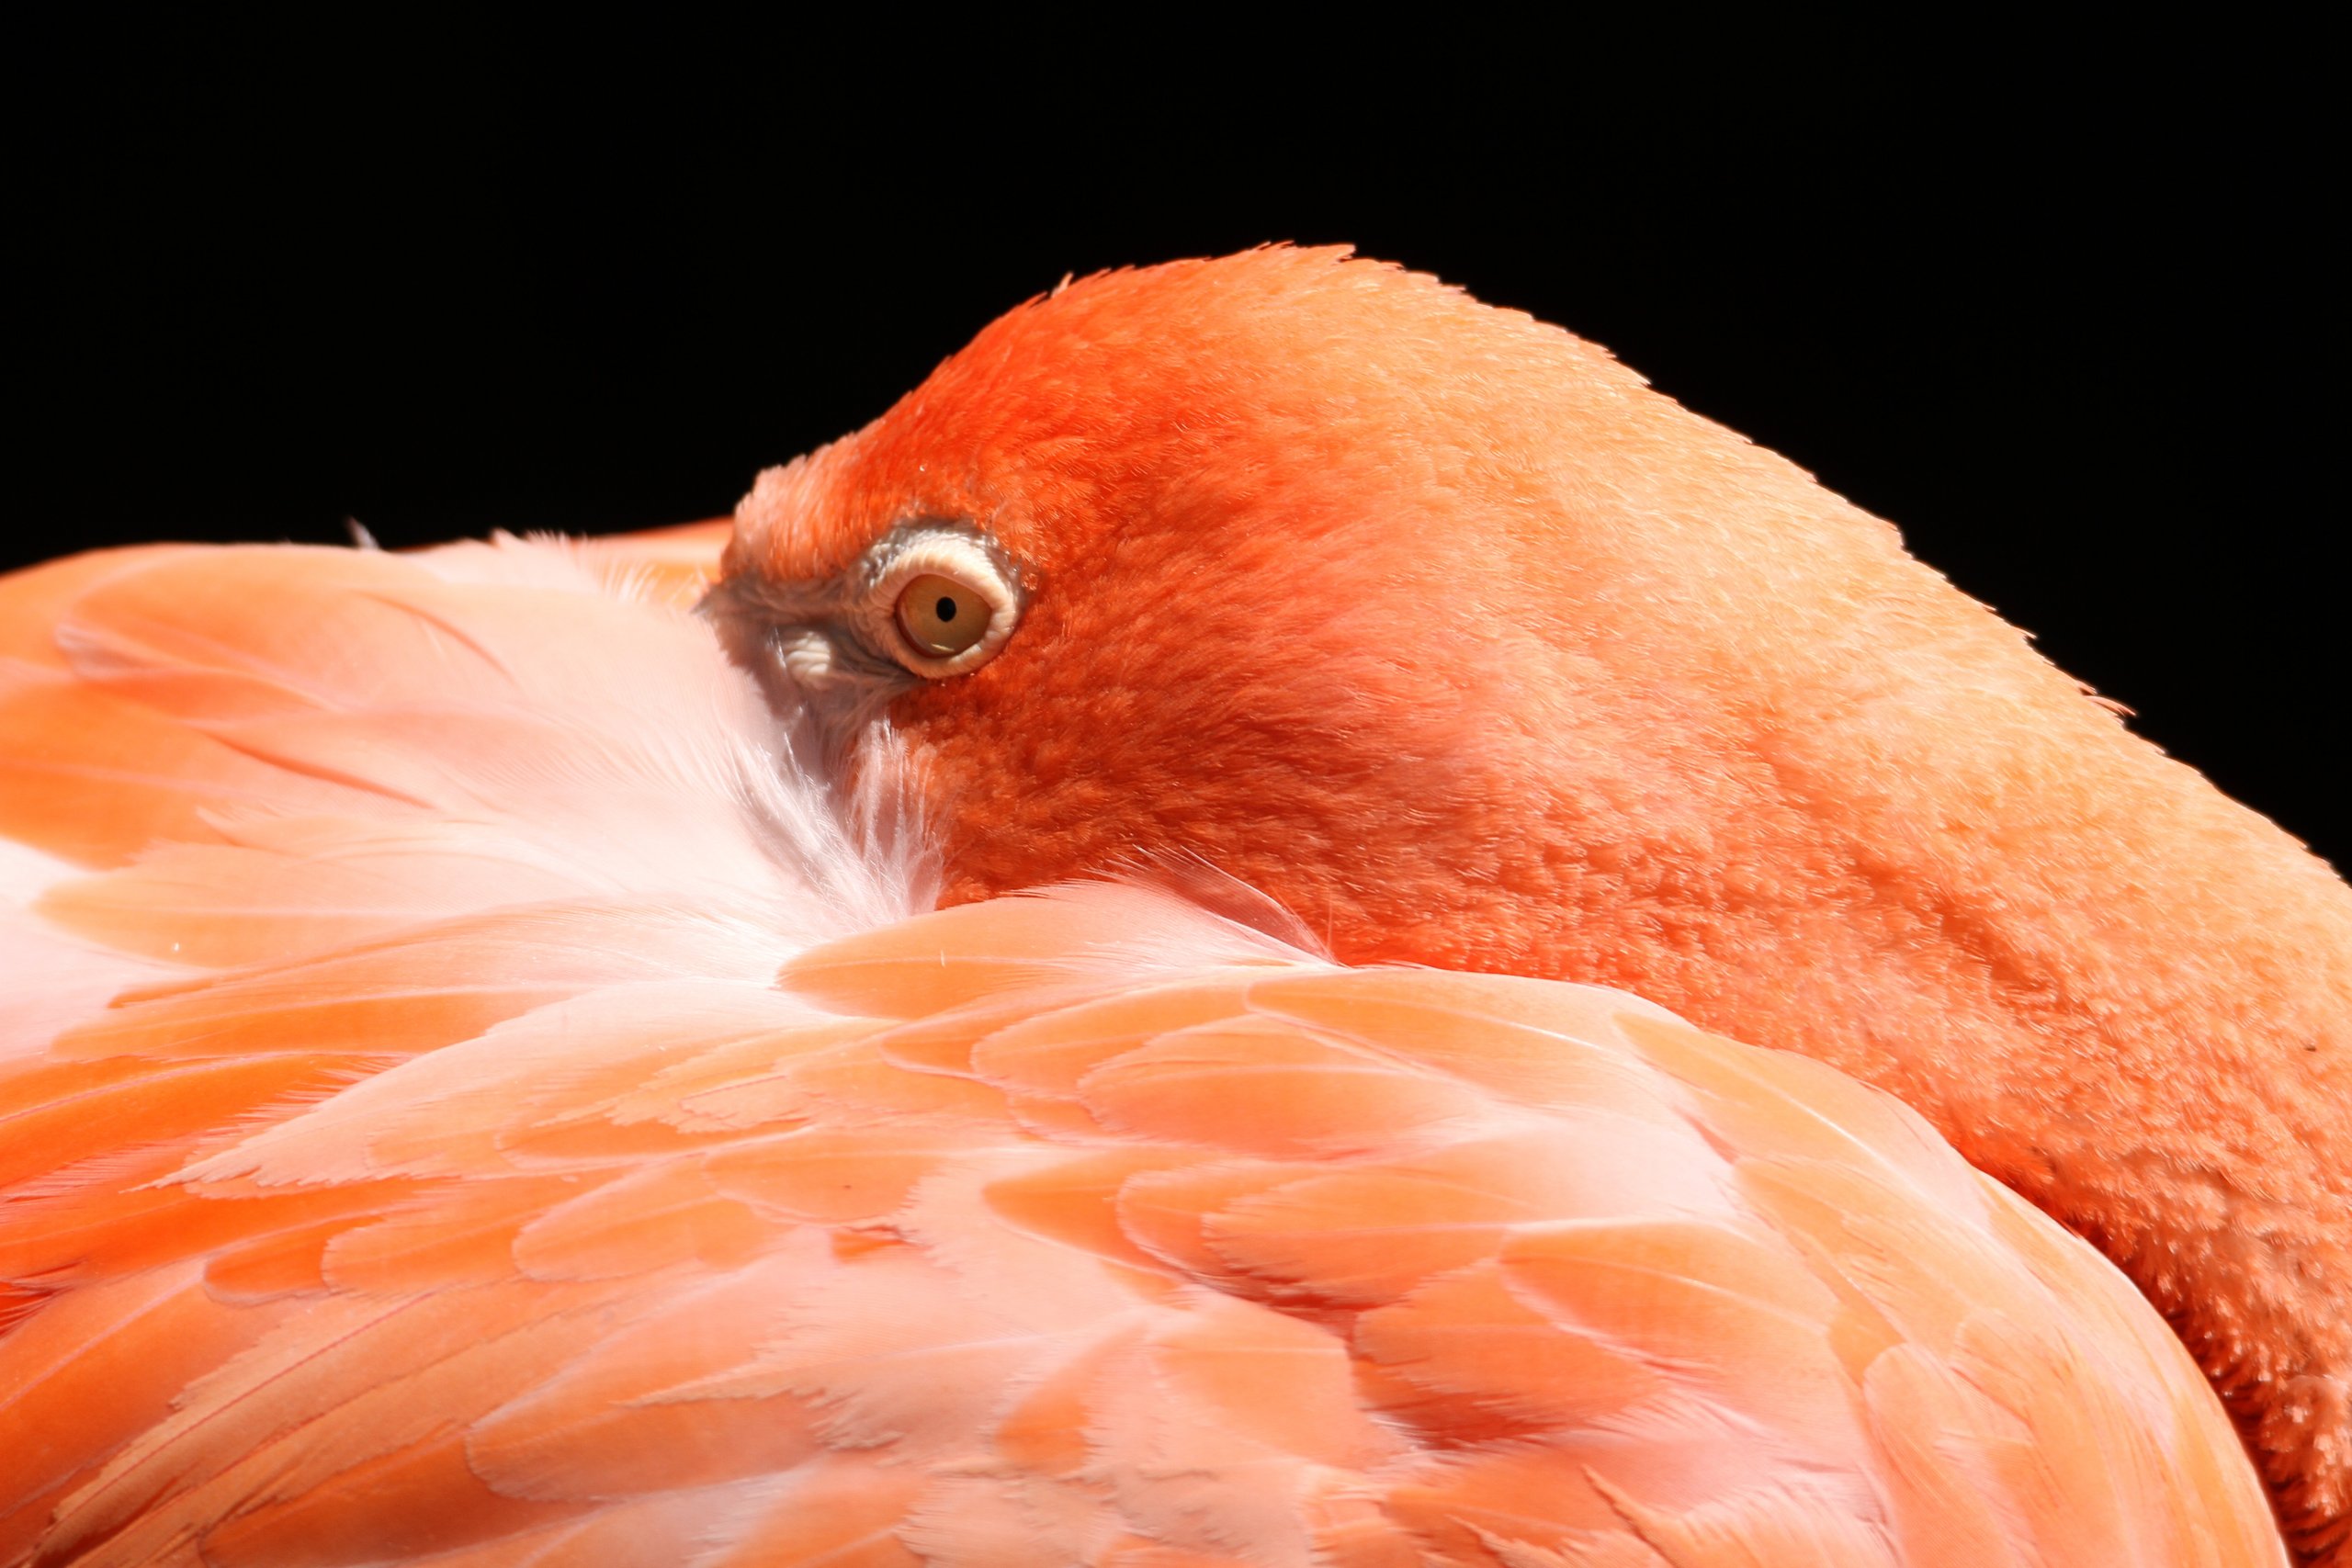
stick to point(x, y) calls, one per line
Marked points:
point(605, 1053)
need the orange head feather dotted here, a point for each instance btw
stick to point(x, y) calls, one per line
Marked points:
point(1435, 623)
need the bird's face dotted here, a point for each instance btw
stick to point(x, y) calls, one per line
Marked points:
point(1379, 599)
point(1170, 565)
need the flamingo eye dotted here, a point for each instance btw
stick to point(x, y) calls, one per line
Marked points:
point(940, 600)
point(941, 617)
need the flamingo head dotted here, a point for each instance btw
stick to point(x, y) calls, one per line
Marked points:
point(1426, 619)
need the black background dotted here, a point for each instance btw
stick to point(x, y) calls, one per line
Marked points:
point(2072, 326)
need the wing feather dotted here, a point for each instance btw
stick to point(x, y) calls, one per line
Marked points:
point(476, 1106)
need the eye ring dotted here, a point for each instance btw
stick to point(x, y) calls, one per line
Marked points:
point(941, 604)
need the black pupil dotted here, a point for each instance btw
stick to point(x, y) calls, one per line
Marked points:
point(944, 609)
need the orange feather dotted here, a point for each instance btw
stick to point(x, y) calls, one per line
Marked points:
point(466, 1097)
